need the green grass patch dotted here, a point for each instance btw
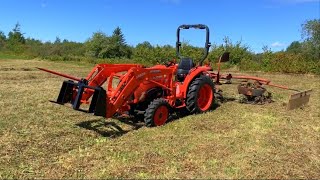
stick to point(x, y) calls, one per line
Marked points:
point(13, 56)
point(39, 139)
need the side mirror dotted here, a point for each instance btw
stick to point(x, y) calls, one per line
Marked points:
point(224, 57)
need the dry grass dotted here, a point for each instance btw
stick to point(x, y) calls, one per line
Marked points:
point(39, 139)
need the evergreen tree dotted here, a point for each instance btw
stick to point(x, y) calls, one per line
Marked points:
point(57, 41)
point(118, 47)
point(118, 37)
point(15, 36)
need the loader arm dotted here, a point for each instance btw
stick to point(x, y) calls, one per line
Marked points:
point(97, 77)
point(100, 73)
point(132, 80)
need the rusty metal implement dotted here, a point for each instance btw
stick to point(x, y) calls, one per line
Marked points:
point(298, 99)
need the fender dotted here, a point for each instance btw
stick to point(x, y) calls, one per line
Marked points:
point(195, 72)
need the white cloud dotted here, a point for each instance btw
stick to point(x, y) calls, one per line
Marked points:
point(277, 44)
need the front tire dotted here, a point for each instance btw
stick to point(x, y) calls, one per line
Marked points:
point(200, 97)
point(157, 113)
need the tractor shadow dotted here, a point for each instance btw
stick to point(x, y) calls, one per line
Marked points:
point(109, 129)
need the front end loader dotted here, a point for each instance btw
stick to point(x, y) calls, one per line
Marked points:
point(155, 92)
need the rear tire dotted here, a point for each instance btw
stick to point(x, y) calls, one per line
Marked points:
point(157, 113)
point(200, 96)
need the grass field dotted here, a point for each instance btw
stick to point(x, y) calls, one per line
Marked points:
point(39, 139)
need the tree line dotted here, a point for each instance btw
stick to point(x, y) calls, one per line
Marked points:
point(299, 57)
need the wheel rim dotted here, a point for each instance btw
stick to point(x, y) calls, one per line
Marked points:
point(161, 115)
point(205, 97)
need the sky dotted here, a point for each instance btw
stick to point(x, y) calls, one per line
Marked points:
point(256, 23)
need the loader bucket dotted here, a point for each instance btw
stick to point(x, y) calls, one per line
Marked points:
point(298, 99)
point(71, 92)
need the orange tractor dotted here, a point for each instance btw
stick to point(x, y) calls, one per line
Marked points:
point(155, 92)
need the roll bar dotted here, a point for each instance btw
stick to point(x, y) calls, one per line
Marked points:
point(207, 43)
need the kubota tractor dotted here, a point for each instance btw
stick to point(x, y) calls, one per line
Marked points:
point(155, 92)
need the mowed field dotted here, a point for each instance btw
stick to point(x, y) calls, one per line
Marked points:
point(39, 139)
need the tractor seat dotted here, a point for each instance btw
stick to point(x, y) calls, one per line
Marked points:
point(183, 68)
